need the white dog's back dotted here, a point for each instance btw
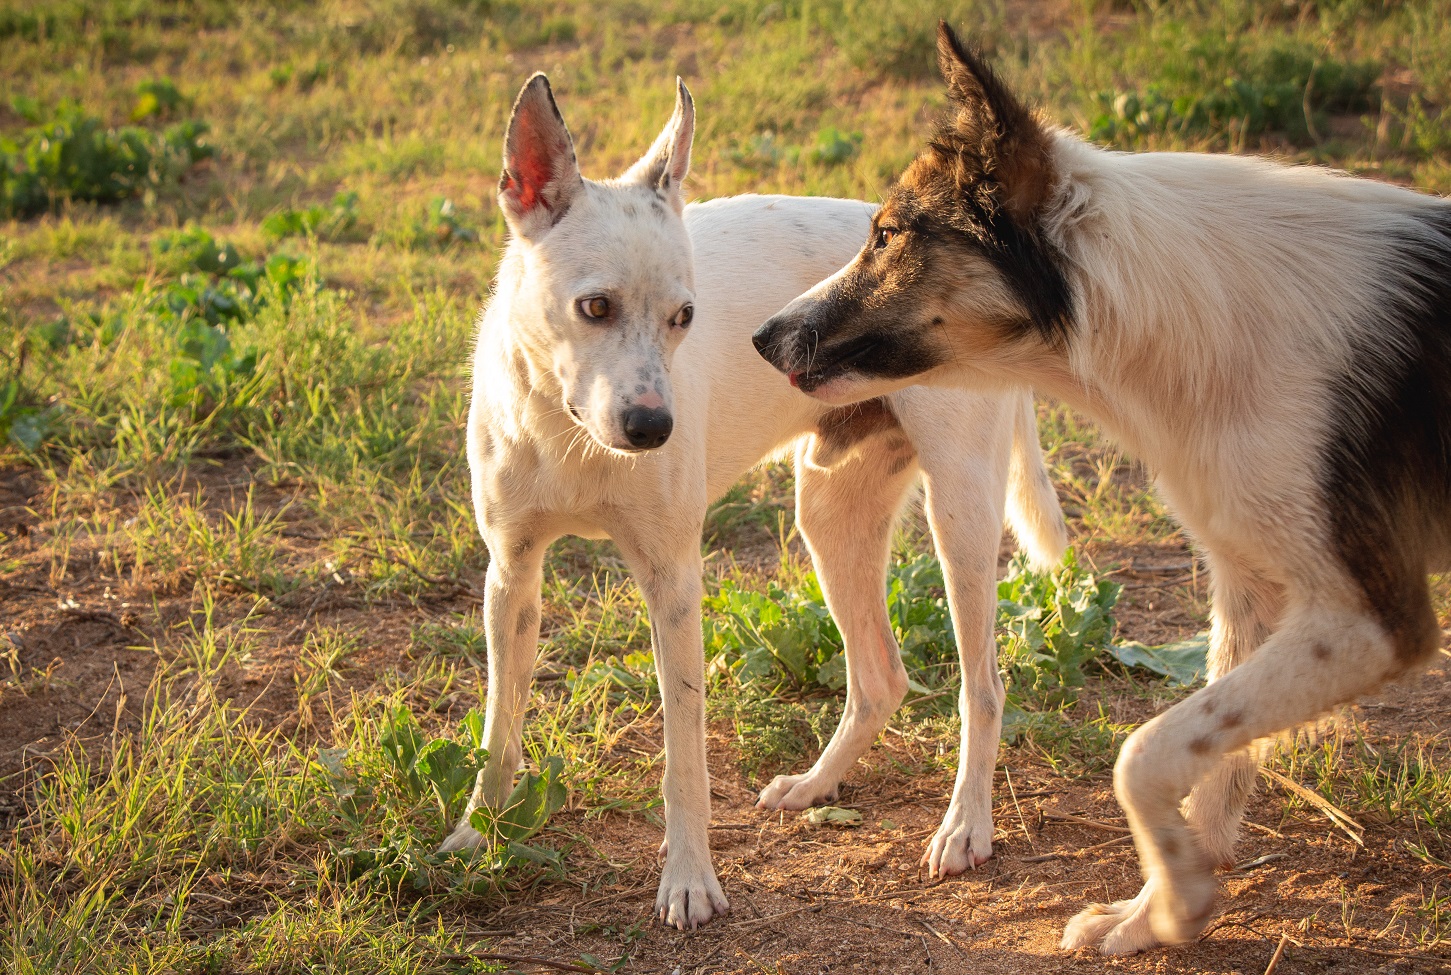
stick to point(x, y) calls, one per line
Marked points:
point(753, 254)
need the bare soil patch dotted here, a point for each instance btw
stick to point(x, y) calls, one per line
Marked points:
point(804, 898)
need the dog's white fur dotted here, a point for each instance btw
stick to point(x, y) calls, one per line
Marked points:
point(539, 473)
point(1220, 306)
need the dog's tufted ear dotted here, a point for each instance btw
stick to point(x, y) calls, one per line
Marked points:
point(667, 162)
point(999, 142)
point(541, 175)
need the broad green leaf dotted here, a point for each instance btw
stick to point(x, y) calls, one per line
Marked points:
point(1184, 663)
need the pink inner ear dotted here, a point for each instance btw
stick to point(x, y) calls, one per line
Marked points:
point(533, 168)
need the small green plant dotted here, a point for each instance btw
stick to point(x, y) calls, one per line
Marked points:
point(22, 422)
point(834, 147)
point(160, 98)
point(1283, 87)
point(71, 155)
point(330, 221)
point(442, 769)
point(193, 248)
point(441, 772)
point(774, 636)
point(443, 226)
point(629, 675)
point(1054, 624)
point(228, 287)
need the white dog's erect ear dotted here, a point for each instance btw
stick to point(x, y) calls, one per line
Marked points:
point(540, 174)
point(667, 162)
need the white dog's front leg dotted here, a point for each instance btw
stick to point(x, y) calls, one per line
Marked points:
point(668, 570)
point(511, 626)
point(966, 479)
point(966, 517)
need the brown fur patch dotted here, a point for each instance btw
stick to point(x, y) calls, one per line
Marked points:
point(842, 429)
point(1200, 746)
point(995, 143)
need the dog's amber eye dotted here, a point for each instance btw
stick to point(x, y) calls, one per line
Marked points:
point(885, 235)
point(684, 316)
point(596, 307)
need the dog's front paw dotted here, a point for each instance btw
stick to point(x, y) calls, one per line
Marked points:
point(689, 896)
point(959, 846)
point(796, 792)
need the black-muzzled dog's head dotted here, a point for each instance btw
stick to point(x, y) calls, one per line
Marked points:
point(957, 270)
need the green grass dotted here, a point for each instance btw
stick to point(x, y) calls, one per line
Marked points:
point(236, 369)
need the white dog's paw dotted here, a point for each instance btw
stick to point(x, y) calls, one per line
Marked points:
point(1148, 921)
point(958, 847)
point(796, 792)
point(464, 837)
point(689, 896)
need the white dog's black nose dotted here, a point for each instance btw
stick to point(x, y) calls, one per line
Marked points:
point(647, 428)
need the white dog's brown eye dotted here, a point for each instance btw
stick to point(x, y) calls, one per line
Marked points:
point(684, 316)
point(596, 307)
point(885, 235)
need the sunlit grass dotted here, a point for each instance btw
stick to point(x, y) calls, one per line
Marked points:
point(232, 495)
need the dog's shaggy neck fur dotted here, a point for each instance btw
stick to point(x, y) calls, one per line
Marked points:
point(1193, 303)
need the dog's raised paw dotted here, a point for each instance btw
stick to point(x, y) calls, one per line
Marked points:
point(794, 792)
point(1120, 928)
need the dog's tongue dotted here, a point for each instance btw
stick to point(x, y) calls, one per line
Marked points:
point(795, 378)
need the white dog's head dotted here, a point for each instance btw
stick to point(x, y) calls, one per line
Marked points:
point(609, 275)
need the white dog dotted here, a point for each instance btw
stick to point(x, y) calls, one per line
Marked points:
point(594, 415)
point(1275, 342)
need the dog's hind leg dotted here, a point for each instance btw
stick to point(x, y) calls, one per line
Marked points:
point(850, 482)
point(511, 625)
point(665, 560)
point(1245, 609)
point(1323, 653)
point(965, 471)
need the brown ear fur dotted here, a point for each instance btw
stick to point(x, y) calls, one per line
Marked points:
point(997, 146)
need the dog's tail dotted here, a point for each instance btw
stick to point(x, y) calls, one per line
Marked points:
point(1032, 508)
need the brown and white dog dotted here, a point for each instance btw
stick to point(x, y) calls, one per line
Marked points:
point(1274, 341)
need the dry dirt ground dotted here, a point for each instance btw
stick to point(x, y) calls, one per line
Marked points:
point(804, 898)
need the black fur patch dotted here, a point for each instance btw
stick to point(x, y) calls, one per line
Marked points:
point(1387, 477)
point(1032, 267)
point(887, 348)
